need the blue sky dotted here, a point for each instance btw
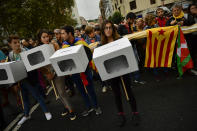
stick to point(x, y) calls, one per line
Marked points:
point(89, 9)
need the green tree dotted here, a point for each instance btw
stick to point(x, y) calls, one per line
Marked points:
point(110, 18)
point(26, 17)
point(116, 18)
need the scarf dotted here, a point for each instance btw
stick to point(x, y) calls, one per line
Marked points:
point(181, 15)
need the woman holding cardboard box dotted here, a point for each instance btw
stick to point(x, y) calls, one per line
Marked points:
point(59, 82)
point(109, 34)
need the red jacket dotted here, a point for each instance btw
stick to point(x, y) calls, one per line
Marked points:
point(161, 21)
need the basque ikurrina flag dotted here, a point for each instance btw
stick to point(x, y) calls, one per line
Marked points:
point(184, 60)
point(160, 46)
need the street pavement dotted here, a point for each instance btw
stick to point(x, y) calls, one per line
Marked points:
point(167, 105)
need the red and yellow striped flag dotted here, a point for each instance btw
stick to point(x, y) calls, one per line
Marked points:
point(160, 46)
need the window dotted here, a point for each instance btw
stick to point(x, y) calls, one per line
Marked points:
point(119, 9)
point(152, 2)
point(133, 5)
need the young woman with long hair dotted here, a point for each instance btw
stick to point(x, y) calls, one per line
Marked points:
point(109, 34)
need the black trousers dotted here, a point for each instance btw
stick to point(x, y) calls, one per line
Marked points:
point(116, 85)
point(2, 121)
point(69, 83)
point(191, 42)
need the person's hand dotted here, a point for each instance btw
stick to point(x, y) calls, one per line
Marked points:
point(173, 22)
point(180, 23)
point(1, 61)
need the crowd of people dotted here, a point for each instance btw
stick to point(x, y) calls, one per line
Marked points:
point(67, 36)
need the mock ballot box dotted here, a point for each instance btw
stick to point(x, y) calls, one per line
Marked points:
point(37, 57)
point(69, 60)
point(115, 59)
point(12, 72)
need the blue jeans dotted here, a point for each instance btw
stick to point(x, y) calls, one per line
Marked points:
point(90, 89)
point(27, 88)
point(135, 75)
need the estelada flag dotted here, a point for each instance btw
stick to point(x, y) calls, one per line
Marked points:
point(160, 46)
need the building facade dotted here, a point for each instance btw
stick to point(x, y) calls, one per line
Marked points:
point(83, 20)
point(105, 8)
point(75, 14)
point(140, 7)
point(108, 8)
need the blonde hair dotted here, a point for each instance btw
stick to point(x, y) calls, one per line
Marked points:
point(89, 30)
point(141, 26)
point(139, 19)
point(149, 19)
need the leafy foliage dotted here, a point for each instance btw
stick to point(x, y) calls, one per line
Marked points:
point(116, 18)
point(26, 17)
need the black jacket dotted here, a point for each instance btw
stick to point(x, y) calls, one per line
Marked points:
point(186, 22)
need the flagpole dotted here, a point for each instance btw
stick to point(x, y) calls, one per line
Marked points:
point(123, 85)
point(21, 97)
point(83, 79)
point(57, 97)
point(85, 89)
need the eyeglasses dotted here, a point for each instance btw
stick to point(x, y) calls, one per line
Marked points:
point(108, 28)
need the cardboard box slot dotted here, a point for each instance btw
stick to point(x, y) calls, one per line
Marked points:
point(36, 58)
point(3, 75)
point(116, 64)
point(66, 65)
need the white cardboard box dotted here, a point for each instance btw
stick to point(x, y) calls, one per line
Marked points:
point(12, 72)
point(37, 57)
point(115, 59)
point(70, 60)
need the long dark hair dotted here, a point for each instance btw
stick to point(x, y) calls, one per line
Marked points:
point(39, 34)
point(189, 12)
point(115, 34)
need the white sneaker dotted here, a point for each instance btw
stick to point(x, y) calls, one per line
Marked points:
point(23, 120)
point(139, 82)
point(194, 72)
point(48, 115)
point(98, 111)
point(104, 89)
